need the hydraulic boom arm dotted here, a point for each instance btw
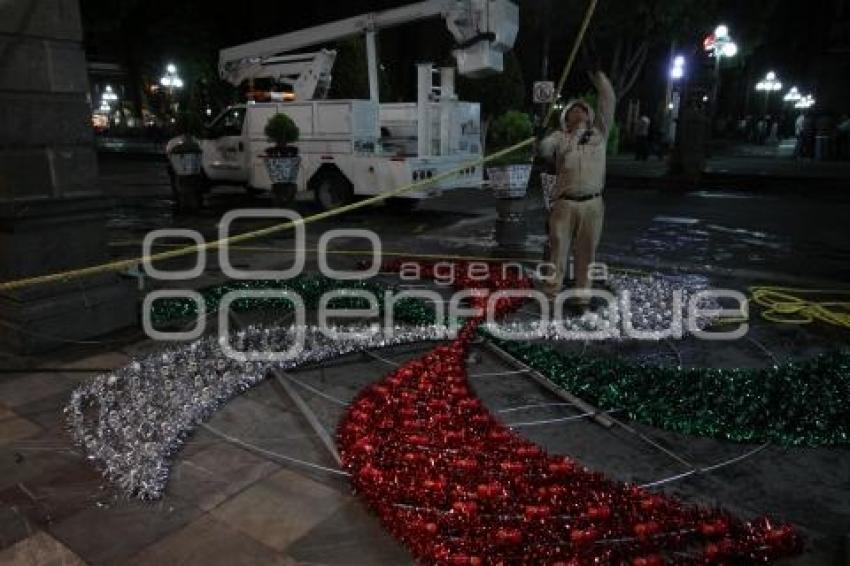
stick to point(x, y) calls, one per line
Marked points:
point(483, 30)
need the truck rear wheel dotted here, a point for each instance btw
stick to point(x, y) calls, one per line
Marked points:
point(283, 194)
point(333, 190)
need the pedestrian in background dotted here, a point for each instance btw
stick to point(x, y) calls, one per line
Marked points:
point(761, 130)
point(657, 144)
point(798, 133)
point(842, 139)
point(751, 129)
point(742, 129)
point(808, 133)
point(773, 137)
point(642, 138)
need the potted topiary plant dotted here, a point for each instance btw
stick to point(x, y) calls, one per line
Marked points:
point(282, 159)
point(185, 152)
point(184, 158)
point(509, 174)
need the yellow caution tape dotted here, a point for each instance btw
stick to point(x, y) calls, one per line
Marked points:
point(124, 264)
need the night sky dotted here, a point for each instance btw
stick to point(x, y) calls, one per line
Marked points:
point(810, 47)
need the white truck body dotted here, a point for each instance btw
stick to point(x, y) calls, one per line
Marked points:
point(366, 147)
point(345, 135)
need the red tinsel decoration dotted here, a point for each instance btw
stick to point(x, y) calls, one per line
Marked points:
point(457, 487)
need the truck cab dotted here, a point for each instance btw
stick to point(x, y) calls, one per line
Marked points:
point(224, 157)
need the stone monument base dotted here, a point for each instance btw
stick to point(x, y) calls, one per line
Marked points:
point(55, 235)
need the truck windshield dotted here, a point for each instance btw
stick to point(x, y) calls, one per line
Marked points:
point(229, 123)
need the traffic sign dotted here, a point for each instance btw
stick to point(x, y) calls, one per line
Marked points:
point(544, 92)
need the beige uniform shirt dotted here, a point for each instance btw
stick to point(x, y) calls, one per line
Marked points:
point(580, 155)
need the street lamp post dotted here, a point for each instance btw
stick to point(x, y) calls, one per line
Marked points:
point(673, 100)
point(108, 99)
point(805, 102)
point(719, 44)
point(109, 95)
point(767, 85)
point(793, 95)
point(171, 80)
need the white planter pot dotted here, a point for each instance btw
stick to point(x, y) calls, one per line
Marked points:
point(282, 169)
point(185, 164)
point(509, 181)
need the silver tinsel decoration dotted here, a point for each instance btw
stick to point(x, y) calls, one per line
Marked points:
point(648, 307)
point(130, 422)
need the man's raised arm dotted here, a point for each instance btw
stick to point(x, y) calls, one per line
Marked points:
point(607, 101)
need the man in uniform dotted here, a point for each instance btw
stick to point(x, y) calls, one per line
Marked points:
point(579, 152)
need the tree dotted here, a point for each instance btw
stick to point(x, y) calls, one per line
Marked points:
point(622, 34)
point(497, 93)
point(351, 72)
point(144, 40)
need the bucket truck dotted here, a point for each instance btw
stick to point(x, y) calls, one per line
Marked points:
point(358, 147)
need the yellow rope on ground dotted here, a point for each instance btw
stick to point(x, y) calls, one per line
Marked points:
point(274, 250)
point(124, 264)
point(786, 305)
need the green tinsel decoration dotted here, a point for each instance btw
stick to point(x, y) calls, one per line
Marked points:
point(309, 287)
point(797, 404)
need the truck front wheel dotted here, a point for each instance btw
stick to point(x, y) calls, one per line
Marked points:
point(401, 204)
point(333, 190)
point(283, 194)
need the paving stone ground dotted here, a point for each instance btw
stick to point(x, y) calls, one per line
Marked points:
point(227, 504)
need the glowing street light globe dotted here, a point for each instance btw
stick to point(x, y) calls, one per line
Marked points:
point(793, 95)
point(805, 102)
point(769, 83)
point(171, 79)
point(720, 44)
point(109, 95)
point(677, 71)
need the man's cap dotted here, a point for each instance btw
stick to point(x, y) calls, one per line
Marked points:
point(577, 102)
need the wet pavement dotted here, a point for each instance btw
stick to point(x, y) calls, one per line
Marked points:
point(758, 165)
point(758, 236)
point(234, 501)
point(233, 497)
